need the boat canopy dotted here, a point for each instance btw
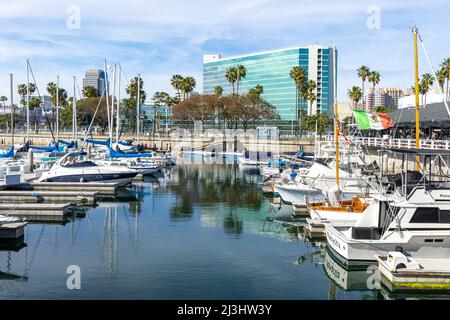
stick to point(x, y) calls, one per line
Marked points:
point(120, 154)
point(8, 154)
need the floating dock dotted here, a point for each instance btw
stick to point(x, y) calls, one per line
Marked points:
point(36, 211)
point(13, 230)
point(74, 197)
point(102, 189)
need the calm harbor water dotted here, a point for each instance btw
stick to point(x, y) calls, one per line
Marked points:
point(195, 232)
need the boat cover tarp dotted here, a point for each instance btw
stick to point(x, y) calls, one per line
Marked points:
point(8, 154)
point(120, 154)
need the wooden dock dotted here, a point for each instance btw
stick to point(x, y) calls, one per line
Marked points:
point(102, 189)
point(36, 211)
point(74, 197)
point(13, 230)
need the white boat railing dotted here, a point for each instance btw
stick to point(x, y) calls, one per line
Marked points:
point(398, 143)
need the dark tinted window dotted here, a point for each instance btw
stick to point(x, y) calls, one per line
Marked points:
point(444, 216)
point(425, 215)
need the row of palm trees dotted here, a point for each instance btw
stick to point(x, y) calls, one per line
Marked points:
point(183, 86)
point(364, 73)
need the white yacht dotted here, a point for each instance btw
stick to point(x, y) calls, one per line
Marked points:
point(419, 221)
point(74, 168)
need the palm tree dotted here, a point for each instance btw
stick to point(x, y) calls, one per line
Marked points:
point(187, 86)
point(354, 94)
point(3, 99)
point(241, 73)
point(425, 83)
point(446, 66)
point(218, 91)
point(310, 93)
point(374, 79)
point(89, 92)
point(231, 74)
point(441, 76)
point(22, 91)
point(176, 82)
point(297, 74)
point(159, 98)
point(258, 90)
point(363, 73)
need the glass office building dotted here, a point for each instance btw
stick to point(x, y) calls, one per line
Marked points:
point(271, 70)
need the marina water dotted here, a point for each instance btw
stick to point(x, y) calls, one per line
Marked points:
point(196, 231)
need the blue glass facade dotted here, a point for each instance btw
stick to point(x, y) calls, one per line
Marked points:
point(271, 70)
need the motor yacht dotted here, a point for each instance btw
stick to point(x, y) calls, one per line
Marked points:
point(73, 167)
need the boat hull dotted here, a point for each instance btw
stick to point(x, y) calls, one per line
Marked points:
point(121, 179)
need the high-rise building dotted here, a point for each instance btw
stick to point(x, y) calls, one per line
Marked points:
point(271, 70)
point(386, 97)
point(95, 78)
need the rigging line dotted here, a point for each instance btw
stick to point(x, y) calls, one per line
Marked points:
point(37, 89)
point(434, 74)
point(93, 118)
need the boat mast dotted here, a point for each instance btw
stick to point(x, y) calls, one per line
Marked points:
point(118, 105)
point(336, 118)
point(28, 101)
point(113, 96)
point(12, 109)
point(74, 112)
point(138, 106)
point(416, 87)
point(57, 108)
point(107, 96)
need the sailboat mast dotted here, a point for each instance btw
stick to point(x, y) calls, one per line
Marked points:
point(12, 109)
point(28, 101)
point(107, 95)
point(416, 87)
point(118, 105)
point(138, 106)
point(74, 112)
point(57, 108)
point(336, 116)
point(112, 103)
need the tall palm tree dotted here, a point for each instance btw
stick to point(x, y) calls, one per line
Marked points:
point(374, 79)
point(159, 98)
point(241, 73)
point(363, 73)
point(311, 95)
point(231, 74)
point(297, 74)
point(187, 86)
point(446, 66)
point(176, 82)
point(218, 91)
point(3, 99)
point(354, 94)
point(425, 84)
point(441, 76)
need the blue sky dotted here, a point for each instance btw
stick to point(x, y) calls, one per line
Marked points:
point(159, 38)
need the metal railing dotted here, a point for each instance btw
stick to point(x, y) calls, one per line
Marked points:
point(399, 143)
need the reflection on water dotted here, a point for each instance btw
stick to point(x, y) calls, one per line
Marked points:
point(196, 231)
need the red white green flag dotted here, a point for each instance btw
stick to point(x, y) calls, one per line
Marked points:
point(372, 120)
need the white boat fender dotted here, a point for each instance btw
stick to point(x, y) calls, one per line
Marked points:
point(397, 260)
